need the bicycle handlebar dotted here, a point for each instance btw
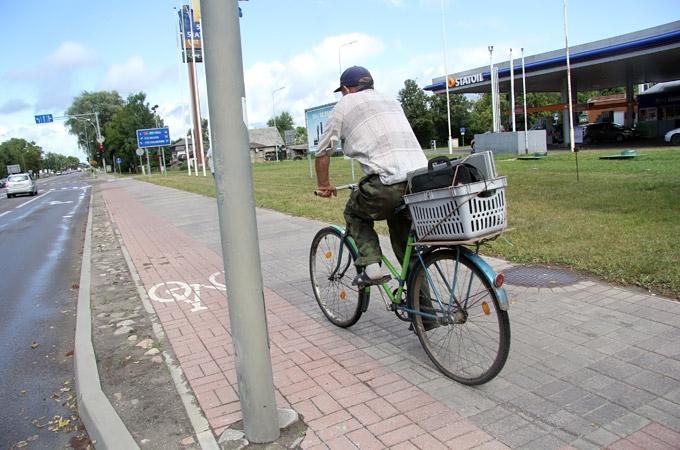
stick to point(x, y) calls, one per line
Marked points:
point(351, 186)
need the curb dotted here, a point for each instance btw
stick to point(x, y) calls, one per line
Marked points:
point(105, 427)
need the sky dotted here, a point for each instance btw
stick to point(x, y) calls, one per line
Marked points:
point(53, 51)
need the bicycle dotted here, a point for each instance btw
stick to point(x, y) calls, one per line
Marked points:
point(459, 315)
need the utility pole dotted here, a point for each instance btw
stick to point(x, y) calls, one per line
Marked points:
point(236, 211)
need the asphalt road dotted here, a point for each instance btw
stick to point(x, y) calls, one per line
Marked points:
point(41, 240)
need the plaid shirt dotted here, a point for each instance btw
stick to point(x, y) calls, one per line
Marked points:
point(374, 131)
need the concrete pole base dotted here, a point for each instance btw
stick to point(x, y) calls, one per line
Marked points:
point(234, 438)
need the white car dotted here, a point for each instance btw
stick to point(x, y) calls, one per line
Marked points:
point(673, 137)
point(21, 183)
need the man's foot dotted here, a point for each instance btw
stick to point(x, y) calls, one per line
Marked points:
point(371, 275)
point(363, 280)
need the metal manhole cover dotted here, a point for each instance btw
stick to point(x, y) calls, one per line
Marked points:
point(539, 276)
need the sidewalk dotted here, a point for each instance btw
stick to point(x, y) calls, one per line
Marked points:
point(590, 366)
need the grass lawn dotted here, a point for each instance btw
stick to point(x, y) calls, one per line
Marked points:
point(620, 221)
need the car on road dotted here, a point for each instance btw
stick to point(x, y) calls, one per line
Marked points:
point(607, 132)
point(673, 137)
point(2, 182)
point(21, 183)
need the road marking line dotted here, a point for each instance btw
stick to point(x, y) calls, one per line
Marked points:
point(33, 199)
point(6, 212)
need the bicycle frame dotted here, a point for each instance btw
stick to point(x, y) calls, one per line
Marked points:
point(396, 298)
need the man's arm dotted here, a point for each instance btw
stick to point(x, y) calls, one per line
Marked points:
point(323, 184)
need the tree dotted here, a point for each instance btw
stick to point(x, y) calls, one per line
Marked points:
point(105, 103)
point(461, 116)
point(415, 104)
point(121, 132)
point(19, 151)
point(284, 121)
point(300, 135)
point(204, 133)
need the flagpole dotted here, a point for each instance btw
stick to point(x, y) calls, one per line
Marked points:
point(571, 107)
point(512, 92)
point(446, 81)
point(182, 58)
point(524, 87)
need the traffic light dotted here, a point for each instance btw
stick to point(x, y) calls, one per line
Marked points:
point(101, 148)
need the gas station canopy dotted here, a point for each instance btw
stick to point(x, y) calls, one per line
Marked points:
point(650, 55)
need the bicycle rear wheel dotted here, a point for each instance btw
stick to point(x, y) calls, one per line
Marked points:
point(468, 343)
point(331, 270)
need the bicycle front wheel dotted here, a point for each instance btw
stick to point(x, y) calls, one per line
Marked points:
point(331, 270)
point(470, 339)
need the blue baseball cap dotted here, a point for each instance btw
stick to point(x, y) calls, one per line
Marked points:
point(354, 76)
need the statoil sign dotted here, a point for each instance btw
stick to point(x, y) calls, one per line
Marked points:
point(467, 79)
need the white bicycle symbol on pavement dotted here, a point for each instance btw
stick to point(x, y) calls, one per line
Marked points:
point(180, 291)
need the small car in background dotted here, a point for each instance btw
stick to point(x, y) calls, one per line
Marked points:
point(673, 137)
point(21, 183)
point(607, 132)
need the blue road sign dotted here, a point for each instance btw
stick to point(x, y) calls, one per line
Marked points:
point(118, 161)
point(462, 130)
point(153, 137)
point(44, 118)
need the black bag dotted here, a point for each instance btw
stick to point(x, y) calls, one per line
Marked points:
point(440, 173)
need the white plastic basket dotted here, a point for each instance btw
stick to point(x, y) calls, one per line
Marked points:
point(467, 212)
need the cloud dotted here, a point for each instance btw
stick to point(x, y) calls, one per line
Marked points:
point(13, 105)
point(308, 78)
point(69, 55)
point(132, 76)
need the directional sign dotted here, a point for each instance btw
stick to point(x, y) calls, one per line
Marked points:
point(44, 118)
point(118, 161)
point(153, 137)
point(462, 130)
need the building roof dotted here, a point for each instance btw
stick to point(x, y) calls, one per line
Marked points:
point(672, 87)
point(264, 137)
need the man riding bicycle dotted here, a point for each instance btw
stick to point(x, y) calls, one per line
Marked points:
point(373, 130)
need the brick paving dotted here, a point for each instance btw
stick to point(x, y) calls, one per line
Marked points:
point(591, 365)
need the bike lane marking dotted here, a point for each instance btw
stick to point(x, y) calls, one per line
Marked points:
point(189, 293)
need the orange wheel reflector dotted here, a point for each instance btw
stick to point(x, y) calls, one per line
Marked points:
point(343, 295)
point(485, 308)
point(328, 255)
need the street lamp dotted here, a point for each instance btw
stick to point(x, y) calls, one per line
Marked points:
point(340, 48)
point(276, 147)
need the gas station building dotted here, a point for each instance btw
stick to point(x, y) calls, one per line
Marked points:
point(646, 56)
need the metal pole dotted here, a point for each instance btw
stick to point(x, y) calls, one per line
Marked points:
point(274, 114)
point(446, 81)
point(512, 92)
point(493, 91)
point(148, 164)
point(100, 138)
point(526, 120)
point(571, 107)
point(238, 227)
point(182, 51)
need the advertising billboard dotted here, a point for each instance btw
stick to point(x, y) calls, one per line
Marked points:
point(190, 29)
point(315, 121)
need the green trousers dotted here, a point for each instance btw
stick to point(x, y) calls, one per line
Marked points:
point(376, 201)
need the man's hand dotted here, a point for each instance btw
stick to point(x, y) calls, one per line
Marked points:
point(326, 191)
